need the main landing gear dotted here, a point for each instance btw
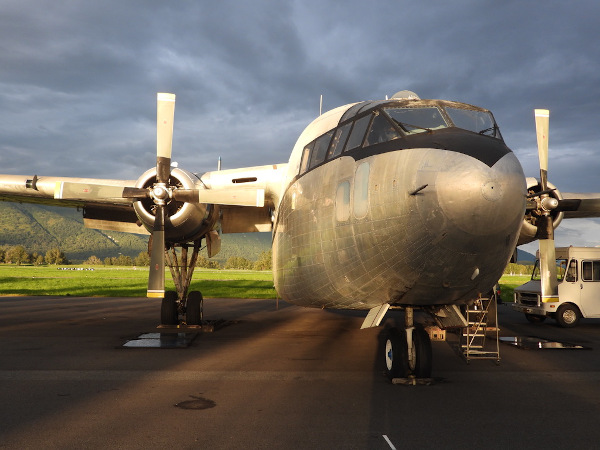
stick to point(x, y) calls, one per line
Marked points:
point(408, 351)
point(181, 303)
point(171, 308)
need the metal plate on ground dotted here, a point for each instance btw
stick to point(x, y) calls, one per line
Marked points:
point(536, 343)
point(161, 340)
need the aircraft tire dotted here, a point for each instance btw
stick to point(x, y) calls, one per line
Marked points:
point(193, 308)
point(535, 318)
point(422, 344)
point(168, 309)
point(567, 315)
point(396, 354)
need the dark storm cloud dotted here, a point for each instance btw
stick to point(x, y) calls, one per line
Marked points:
point(78, 79)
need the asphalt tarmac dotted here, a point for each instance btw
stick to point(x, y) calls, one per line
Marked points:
point(278, 378)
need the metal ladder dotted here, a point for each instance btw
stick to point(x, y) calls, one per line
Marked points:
point(482, 318)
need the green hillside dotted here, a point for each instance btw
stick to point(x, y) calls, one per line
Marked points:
point(40, 228)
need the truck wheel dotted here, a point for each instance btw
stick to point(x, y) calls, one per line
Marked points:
point(567, 315)
point(535, 318)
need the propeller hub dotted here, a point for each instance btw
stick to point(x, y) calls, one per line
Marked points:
point(549, 203)
point(160, 193)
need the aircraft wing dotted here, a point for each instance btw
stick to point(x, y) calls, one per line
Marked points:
point(103, 204)
point(47, 190)
point(245, 196)
point(580, 205)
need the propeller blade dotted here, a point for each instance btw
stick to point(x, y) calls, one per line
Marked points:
point(230, 197)
point(542, 124)
point(137, 193)
point(580, 205)
point(66, 190)
point(545, 231)
point(186, 195)
point(165, 113)
point(548, 270)
point(156, 278)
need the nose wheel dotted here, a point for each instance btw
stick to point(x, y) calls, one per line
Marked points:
point(408, 351)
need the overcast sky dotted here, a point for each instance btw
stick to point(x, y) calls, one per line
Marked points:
point(78, 80)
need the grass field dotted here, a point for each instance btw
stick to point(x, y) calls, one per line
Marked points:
point(508, 283)
point(113, 281)
point(110, 281)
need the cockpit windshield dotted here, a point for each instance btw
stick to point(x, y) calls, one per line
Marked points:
point(480, 122)
point(417, 120)
point(412, 120)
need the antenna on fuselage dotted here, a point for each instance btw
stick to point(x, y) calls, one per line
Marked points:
point(219, 164)
point(321, 105)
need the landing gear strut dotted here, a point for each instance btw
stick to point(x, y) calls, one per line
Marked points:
point(408, 351)
point(181, 264)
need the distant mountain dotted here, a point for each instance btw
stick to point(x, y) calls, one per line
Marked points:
point(524, 257)
point(39, 228)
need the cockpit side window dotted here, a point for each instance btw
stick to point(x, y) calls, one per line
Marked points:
point(358, 133)
point(305, 158)
point(480, 122)
point(339, 139)
point(417, 120)
point(320, 149)
point(381, 130)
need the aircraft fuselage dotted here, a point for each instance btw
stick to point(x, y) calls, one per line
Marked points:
point(426, 212)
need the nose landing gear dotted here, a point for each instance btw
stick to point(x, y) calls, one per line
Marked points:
point(408, 354)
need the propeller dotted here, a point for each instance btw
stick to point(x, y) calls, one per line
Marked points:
point(161, 192)
point(545, 232)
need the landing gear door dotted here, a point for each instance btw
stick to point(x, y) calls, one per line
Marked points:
point(590, 288)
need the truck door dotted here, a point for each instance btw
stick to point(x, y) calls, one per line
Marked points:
point(570, 288)
point(590, 288)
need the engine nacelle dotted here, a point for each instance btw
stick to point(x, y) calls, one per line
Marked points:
point(529, 228)
point(185, 222)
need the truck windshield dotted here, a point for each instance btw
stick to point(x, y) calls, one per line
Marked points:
point(561, 266)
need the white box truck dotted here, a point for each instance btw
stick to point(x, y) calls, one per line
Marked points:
point(578, 288)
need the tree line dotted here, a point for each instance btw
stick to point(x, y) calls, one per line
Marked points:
point(19, 255)
point(234, 262)
point(518, 269)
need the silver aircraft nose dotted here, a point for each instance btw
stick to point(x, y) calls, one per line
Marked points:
point(468, 206)
point(482, 200)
